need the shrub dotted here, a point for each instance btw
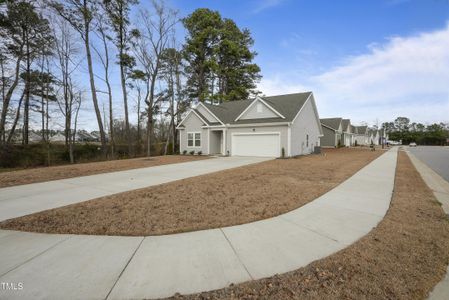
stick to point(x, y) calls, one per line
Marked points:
point(184, 152)
point(283, 152)
point(200, 152)
point(192, 152)
point(355, 143)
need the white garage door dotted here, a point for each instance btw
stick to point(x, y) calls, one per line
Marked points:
point(256, 144)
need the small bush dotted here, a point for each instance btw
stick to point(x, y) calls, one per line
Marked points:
point(192, 152)
point(283, 152)
point(184, 152)
point(200, 152)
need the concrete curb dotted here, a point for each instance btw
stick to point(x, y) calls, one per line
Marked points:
point(99, 267)
point(440, 189)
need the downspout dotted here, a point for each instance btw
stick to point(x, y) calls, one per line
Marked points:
point(289, 139)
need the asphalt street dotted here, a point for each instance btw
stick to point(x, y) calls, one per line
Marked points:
point(436, 157)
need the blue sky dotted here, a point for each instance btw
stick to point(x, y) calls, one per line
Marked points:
point(367, 60)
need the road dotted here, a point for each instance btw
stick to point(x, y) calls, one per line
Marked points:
point(436, 157)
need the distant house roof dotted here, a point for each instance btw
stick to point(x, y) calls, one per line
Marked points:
point(345, 123)
point(333, 123)
point(361, 129)
point(287, 105)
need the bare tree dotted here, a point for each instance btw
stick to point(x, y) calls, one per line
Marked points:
point(79, 14)
point(102, 30)
point(118, 13)
point(65, 49)
point(152, 39)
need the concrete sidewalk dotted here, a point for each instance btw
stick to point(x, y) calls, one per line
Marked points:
point(98, 267)
point(22, 200)
point(440, 189)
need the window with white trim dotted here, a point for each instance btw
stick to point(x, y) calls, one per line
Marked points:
point(259, 107)
point(193, 139)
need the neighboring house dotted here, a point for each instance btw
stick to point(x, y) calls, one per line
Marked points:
point(361, 135)
point(375, 136)
point(59, 137)
point(354, 132)
point(34, 137)
point(347, 133)
point(332, 132)
point(82, 136)
point(264, 126)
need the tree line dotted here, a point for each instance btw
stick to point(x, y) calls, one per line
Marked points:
point(48, 45)
point(402, 129)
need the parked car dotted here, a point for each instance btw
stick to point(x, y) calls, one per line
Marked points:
point(412, 144)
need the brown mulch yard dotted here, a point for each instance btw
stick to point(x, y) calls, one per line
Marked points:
point(230, 197)
point(402, 258)
point(11, 178)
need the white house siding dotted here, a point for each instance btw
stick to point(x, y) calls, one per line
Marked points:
point(194, 124)
point(282, 129)
point(305, 124)
point(361, 139)
point(206, 114)
point(253, 113)
point(347, 139)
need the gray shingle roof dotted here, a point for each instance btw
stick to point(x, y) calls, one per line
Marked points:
point(361, 129)
point(333, 123)
point(345, 123)
point(287, 105)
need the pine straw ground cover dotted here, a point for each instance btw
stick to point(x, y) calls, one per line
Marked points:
point(11, 178)
point(230, 197)
point(402, 258)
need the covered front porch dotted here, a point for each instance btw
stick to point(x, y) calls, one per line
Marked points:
point(217, 142)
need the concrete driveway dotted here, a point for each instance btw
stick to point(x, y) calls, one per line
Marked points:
point(30, 198)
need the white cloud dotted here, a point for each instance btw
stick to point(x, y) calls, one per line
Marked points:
point(405, 76)
point(277, 85)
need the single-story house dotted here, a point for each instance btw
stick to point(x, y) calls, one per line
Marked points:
point(332, 132)
point(361, 135)
point(347, 133)
point(354, 132)
point(59, 137)
point(264, 126)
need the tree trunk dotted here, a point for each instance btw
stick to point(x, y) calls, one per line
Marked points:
point(26, 114)
point(92, 87)
point(139, 141)
point(125, 103)
point(149, 130)
point(16, 119)
point(9, 94)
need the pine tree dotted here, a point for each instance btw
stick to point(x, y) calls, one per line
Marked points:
point(219, 58)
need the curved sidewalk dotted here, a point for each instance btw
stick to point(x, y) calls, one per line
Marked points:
point(99, 267)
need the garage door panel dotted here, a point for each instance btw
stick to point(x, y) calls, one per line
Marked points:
point(266, 145)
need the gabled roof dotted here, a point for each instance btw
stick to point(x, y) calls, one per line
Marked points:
point(332, 123)
point(345, 123)
point(287, 105)
point(361, 129)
